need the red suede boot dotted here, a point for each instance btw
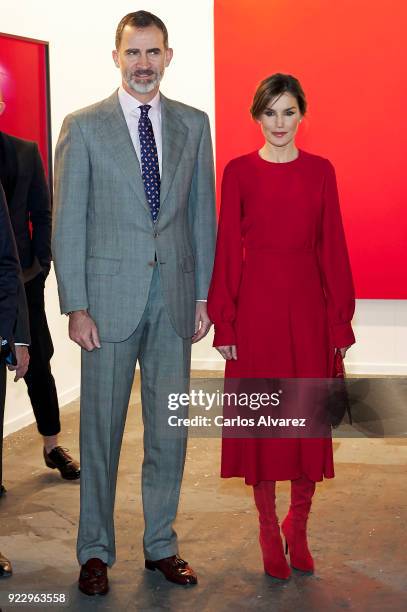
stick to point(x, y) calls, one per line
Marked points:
point(275, 563)
point(294, 526)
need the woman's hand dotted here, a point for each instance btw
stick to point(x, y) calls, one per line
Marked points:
point(228, 352)
point(343, 350)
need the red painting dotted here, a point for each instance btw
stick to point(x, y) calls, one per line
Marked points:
point(350, 59)
point(25, 89)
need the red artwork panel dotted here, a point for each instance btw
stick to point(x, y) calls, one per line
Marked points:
point(24, 84)
point(350, 59)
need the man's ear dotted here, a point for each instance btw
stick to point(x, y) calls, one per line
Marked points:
point(2, 107)
point(168, 56)
point(115, 56)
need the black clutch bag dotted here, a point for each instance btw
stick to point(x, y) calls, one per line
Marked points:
point(338, 400)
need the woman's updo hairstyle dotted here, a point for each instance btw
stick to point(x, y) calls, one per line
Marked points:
point(274, 86)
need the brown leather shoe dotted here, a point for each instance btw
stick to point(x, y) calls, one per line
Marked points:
point(93, 578)
point(5, 567)
point(60, 459)
point(174, 569)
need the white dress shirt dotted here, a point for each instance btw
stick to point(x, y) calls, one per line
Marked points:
point(131, 110)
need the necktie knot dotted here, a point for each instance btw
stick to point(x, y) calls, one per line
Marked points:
point(144, 108)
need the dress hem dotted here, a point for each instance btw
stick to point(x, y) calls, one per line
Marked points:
point(251, 482)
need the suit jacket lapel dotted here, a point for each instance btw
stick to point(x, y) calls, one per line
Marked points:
point(116, 134)
point(174, 136)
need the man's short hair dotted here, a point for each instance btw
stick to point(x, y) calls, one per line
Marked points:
point(140, 19)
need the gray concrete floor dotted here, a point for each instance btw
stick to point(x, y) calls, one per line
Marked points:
point(357, 531)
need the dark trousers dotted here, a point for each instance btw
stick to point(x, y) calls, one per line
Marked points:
point(39, 379)
point(2, 400)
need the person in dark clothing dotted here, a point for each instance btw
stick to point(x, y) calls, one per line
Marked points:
point(27, 195)
point(14, 326)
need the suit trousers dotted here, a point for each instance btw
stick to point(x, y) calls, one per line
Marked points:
point(107, 379)
point(3, 382)
point(40, 382)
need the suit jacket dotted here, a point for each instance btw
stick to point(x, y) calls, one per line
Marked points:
point(28, 199)
point(104, 239)
point(13, 306)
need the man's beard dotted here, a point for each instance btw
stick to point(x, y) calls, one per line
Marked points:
point(145, 86)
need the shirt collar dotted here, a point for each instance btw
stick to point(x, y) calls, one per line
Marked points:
point(130, 104)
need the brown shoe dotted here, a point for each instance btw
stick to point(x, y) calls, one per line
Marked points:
point(59, 458)
point(93, 578)
point(5, 567)
point(174, 569)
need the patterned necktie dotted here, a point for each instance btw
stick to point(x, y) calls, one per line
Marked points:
point(150, 169)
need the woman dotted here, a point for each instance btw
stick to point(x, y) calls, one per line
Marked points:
point(282, 300)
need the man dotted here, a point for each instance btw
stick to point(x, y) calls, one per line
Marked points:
point(133, 247)
point(27, 194)
point(12, 309)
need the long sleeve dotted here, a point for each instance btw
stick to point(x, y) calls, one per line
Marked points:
point(39, 207)
point(14, 324)
point(335, 266)
point(22, 325)
point(72, 172)
point(9, 273)
point(227, 270)
point(203, 213)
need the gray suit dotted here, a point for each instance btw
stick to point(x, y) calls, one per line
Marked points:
point(139, 282)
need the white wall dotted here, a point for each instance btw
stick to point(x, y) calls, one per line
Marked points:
point(81, 36)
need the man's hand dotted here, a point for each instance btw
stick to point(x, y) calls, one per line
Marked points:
point(83, 330)
point(23, 359)
point(228, 352)
point(202, 322)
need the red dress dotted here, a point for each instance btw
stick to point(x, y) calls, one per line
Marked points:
point(282, 291)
